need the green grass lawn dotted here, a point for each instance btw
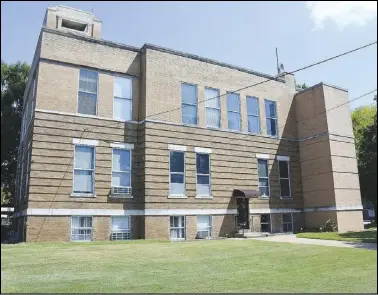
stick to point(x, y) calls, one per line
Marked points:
point(367, 236)
point(196, 266)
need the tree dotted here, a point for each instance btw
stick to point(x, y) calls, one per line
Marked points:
point(303, 86)
point(13, 83)
point(365, 130)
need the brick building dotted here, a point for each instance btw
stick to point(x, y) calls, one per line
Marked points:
point(120, 142)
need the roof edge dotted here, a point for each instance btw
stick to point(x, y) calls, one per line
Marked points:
point(322, 84)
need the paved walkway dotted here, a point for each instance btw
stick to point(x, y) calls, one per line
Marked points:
point(293, 239)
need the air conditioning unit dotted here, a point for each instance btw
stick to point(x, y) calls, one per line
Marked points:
point(121, 190)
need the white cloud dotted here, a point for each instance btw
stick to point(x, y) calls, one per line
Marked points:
point(342, 13)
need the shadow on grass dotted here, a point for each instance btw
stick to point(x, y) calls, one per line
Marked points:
point(368, 236)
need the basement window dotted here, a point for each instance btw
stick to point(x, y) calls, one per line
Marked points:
point(72, 25)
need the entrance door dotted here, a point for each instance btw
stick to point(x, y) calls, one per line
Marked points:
point(243, 213)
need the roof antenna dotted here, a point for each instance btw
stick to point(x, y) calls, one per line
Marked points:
point(278, 68)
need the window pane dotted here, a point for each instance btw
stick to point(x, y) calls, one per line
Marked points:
point(212, 98)
point(203, 189)
point(177, 189)
point(120, 223)
point(177, 178)
point(87, 103)
point(121, 160)
point(252, 106)
point(233, 121)
point(203, 221)
point(88, 81)
point(83, 181)
point(212, 118)
point(263, 182)
point(189, 114)
point(271, 127)
point(203, 164)
point(264, 191)
point(121, 179)
point(177, 161)
point(285, 188)
point(265, 218)
point(270, 109)
point(189, 94)
point(84, 157)
point(263, 168)
point(253, 124)
point(122, 87)
point(286, 217)
point(233, 103)
point(284, 169)
point(122, 108)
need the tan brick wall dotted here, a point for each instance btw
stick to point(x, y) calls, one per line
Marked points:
point(48, 229)
point(157, 227)
point(101, 228)
point(350, 221)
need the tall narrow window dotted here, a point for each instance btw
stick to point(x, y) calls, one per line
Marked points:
point(177, 173)
point(87, 92)
point(271, 118)
point(189, 103)
point(287, 222)
point(122, 107)
point(120, 228)
point(84, 168)
point(203, 226)
point(212, 107)
point(265, 223)
point(233, 111)
point(203, 174)
point(121, 171)
point(177, 227)
point(263, 177)
point(253, 114)
point(81, 228)
point(284, 179)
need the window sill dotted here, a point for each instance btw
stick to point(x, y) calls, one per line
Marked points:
point(264, 198)
point(77, 195)
point(286, 198)
point(120, 196)
point(177, 197)
point(177, 239)
point(204, 197)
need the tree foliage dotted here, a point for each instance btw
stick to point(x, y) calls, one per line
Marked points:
point(13, 83)
point(365, 131)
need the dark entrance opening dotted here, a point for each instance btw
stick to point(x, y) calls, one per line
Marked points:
point(242, 201)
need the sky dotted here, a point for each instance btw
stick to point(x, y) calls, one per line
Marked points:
point(244, 34)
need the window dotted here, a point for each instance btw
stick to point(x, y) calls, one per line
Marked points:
point(253, 114)
point(121, 171)
point(212, 107)
point(177, 227)
point(287, 223)
point(203, 226)
point(263, 177)
point(28, 109)
point(203, 174)
point(87, 92)
point(233, 111)
point(265, 223)
point(271, 118)
point(122, 107)
point(177, 173)
point(189, 104)
point(27, 176)
point(284, 178)
point(84, 170)
point(72, 25)
point(120, 228)
point(81, 228)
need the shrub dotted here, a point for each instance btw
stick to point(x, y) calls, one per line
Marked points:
point(328, 226)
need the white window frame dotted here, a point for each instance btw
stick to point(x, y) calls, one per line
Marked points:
point(269, 223)
point(177, 228)
point(116, 171)
point(285, 223)
point(288, 174)
point(177, 173)
point(253, 115)
point(82, 228)
point(124, 98)
point(267, 177)
point(188, 104)
point(200, 174)
point(207, 228)
point(78, 91)
point(271, 118)
point(77, 194)
point(211, 108)
point(121, 234)
point(235, 112)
